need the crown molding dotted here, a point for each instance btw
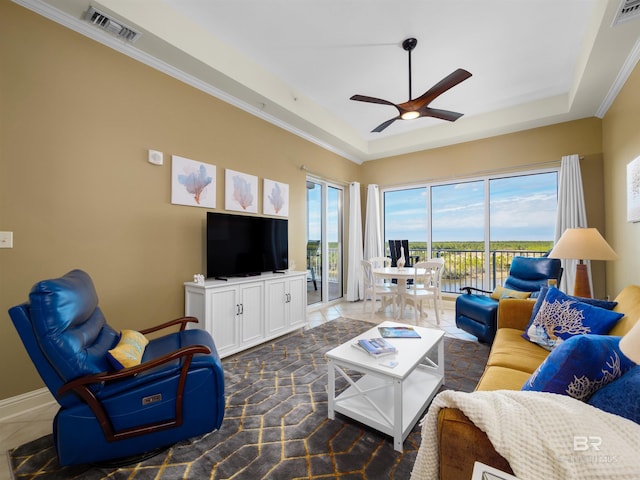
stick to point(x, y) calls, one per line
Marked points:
point(621, 79)
point(86, 29)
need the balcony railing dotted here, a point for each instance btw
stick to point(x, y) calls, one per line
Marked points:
point(462, 268)
point(466, 268)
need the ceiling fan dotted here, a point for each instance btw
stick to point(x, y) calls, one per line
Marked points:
point(419, 107)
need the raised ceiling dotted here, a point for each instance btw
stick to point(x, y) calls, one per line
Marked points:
point(296, 63)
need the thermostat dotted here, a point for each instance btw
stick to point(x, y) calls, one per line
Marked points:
point(155, 157)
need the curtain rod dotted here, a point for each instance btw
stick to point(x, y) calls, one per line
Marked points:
point(323, 177)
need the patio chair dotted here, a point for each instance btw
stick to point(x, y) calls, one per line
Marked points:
point(394, 253)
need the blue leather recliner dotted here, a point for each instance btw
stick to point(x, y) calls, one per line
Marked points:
point(477, 314)
point(176, 392)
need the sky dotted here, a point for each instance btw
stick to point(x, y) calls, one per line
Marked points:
point(521, 208)
point(314, 213)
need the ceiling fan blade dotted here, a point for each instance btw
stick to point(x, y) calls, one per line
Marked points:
point(441, 114)
point(450, 81)
point(363, 98)
point(384, 125)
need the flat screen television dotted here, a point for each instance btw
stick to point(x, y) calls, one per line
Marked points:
point(240, 246)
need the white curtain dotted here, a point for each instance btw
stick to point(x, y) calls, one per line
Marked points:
point(373, 246)
point(571, 213)
point(355, 282)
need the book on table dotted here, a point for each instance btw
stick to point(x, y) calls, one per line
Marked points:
point(376, 347)
point(398, 332)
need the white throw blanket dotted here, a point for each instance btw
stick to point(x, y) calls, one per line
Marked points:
point(542, 436)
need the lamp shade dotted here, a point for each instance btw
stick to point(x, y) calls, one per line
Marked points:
point(630, 343)
point(583, 244)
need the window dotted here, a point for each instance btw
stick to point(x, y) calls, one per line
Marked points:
point(476, 225)
point(458, 231)
point(405, 217)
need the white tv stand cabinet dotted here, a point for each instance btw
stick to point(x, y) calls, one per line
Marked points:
point(245, 311)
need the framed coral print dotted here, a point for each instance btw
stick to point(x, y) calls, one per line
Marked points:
point(240, 192)
point(192, 183)
point(633, 190)
point(275, 199)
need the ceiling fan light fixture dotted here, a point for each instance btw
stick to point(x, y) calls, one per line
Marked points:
point(410, 115)
point(419, 107)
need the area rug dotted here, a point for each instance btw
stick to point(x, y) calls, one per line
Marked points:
point(275, 424)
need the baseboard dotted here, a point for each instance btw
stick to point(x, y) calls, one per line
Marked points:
point(25, 402)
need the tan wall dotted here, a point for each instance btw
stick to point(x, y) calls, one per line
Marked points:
point(621, 139)
point(76, 121)
point(504, 152)
point(522, 150)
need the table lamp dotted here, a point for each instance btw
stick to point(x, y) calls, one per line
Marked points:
point(630, 343)
point(582, 244)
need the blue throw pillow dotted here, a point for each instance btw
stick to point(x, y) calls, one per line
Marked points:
point(542, 294)
point(557, 317)
point(580, 366)
point(621, 397)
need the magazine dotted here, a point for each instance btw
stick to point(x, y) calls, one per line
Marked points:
point(398, 332)
point(377, 346)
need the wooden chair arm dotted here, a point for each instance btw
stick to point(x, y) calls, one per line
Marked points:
point(81, 386)
point(467, 290)
point(182, 321)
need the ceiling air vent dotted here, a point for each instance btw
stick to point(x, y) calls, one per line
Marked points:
point(112, 26)
point(628, 9)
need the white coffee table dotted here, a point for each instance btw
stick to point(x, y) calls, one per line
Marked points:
point(391, 400)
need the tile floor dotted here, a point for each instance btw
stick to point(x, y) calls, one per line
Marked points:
point(322, 314)
point(32, 424)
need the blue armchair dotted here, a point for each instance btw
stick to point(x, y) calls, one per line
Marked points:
point(477, 313)
point(175, 392)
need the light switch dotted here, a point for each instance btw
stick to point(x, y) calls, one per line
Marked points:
point(6, 239)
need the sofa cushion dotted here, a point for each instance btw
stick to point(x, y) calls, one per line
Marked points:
point(561, 317)
point(501, 378)
point(512, 351)
point(580, 366)
point(621, 397)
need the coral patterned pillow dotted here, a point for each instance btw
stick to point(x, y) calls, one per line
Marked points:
point(561, 317)
point(580, 366)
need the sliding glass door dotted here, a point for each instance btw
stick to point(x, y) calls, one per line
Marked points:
point(324, 241)
point(477, 225)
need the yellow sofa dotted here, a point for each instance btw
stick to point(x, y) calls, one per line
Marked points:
point(511, 362)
